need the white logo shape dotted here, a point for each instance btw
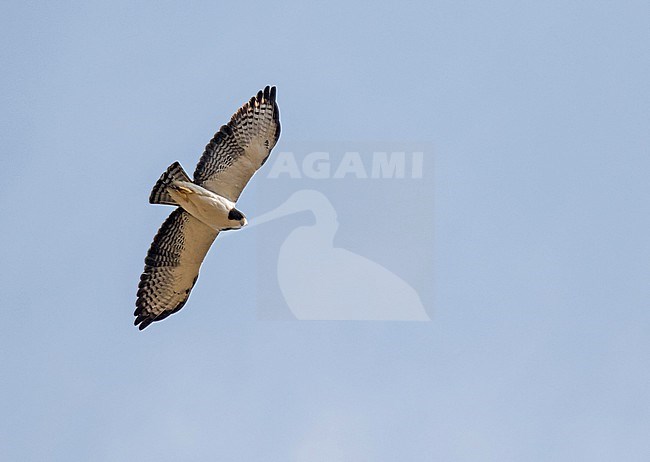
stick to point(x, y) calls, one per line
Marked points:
point(323, 282)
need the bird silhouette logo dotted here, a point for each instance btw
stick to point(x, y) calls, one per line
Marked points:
point(322, 282)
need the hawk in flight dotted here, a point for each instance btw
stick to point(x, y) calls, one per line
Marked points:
point(204, 206)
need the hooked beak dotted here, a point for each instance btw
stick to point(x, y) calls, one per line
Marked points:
point(243, 222)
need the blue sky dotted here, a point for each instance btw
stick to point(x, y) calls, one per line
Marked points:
point(538, 348)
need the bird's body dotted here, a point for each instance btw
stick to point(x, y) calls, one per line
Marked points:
point(209, 208)
point(205, 206)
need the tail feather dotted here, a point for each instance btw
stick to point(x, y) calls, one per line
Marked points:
point(160, 194)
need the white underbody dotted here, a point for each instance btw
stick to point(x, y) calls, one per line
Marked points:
point(204, 205)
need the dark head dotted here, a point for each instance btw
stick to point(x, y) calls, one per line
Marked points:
point(237, 219)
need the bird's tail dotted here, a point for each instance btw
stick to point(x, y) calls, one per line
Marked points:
point(160, 193)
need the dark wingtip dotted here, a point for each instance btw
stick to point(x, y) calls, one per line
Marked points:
point(143, 322)
point(226, 129)
point(272, 95)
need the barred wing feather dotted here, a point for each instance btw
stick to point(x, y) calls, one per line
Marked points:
point(172, 267)
point(241, 147)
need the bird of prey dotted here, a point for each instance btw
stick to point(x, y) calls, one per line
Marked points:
point(204, 206)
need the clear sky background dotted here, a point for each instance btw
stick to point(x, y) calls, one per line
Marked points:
point(539, 345)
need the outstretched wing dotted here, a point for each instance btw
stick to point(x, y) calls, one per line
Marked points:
point(171, 267)
point(240, 147)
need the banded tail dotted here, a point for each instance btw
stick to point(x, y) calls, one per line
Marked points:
point(159, 194)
